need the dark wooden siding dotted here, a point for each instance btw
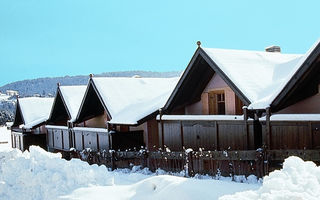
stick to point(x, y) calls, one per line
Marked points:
point(208, 135)
point(91, 139)
point(293, 134)
point(172, 135)
point(24, 140)
point(59, 139)
point(196, 135)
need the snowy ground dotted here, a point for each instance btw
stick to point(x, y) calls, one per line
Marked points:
point(41, 175)
point(5, 140)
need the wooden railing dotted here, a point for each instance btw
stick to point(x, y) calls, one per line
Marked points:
point(215, 163)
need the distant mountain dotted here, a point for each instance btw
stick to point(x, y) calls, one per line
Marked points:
point(47, 86)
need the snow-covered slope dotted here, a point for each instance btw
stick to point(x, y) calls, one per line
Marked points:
point(297, 180)
point(129, 100)
point(73, 96)
point(39, 175)
point(35, 110)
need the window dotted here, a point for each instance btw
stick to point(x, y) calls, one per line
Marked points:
point(217, 105)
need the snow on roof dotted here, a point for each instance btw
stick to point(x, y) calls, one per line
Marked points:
point(73, 96)
point(35, 110)
point(200, 117)
point(293, 117)
point(129, 100)
point(257, 74)
point(281, 76)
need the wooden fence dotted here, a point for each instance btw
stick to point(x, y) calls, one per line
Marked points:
point(215, 163)
point(221, 147)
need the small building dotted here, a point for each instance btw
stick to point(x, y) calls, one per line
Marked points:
point(28, 127)
point(63, 113)
point(12, 93)
point(126, 108)
point(239, 100)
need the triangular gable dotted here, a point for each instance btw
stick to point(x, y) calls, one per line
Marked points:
point(303, 83)
point(194, 80)
point(130, 100)
point(18, 117)
point(127, 101)
point(92, 104)
point(59, 112)
point(33, 111)
point(254, 76)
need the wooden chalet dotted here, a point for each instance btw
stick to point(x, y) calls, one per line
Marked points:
point(63, 113)
point(29, 123)
point(119, 113)
point(241, 103)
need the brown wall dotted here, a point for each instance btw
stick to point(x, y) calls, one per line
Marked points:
point(213, 135)
point(202, 107)
point(97, 122)
point(309, 105)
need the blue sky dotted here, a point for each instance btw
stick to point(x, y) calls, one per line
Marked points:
point(41, 38)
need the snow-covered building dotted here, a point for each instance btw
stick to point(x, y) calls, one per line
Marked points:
point(63, 113)
point(12, 93)
point(28, 127)
point(124, 107)
point(245, 100)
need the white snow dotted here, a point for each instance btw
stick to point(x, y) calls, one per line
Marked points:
point(72, 96)
point(39, 175)
point(131, 99)
point(5, 138)
point(293, 117)
point(259, 75)
point(104, 130)
point(255, 73)
point(4, 97)
point(35, 110)
point(297, 180)
point(200, 117)
point(57, 127)
point(42, 175)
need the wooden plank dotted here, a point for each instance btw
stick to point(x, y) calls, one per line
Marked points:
point(181, 134)
point(280, 155)
point(62, 142)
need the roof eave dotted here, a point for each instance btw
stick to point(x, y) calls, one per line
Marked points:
point(289, 87)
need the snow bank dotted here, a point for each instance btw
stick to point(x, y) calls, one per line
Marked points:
point(163, 187)
point(297, 180)
point(5, 138)
point(43, 175)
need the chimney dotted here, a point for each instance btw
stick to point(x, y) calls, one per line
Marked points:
point(273, 48)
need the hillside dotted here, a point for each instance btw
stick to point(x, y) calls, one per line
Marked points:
point(47, 86)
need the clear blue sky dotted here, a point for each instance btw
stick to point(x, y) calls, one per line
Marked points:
point(40, 38)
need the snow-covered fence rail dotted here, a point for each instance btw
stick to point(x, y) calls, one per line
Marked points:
point(201, 162)
point(216, 163)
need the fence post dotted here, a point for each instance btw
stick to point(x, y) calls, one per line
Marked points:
point(189, 163)
point(144, 159)
point(113, 160)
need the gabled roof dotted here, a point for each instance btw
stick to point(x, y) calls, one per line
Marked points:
point(67, 102)
point(32, 111)
point(129, 100)
point(304, 80)
point(257, 77)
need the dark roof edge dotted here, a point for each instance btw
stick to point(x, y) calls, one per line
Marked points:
point(215, 67)
point(297, 76)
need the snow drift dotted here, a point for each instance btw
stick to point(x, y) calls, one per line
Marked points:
point(43, 175)
point(297, 180)
point(39, 175)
